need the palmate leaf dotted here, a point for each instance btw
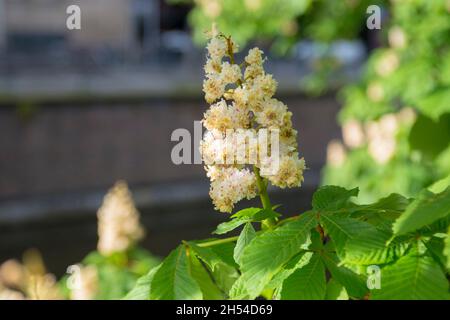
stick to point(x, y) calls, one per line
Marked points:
point(141, 290)
point(268, 252)
point(173, 280)
point(306, 283)
point(413, 277)
point(426, 209)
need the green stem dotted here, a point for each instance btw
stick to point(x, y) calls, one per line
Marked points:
point(216, 242)
point(264, 196)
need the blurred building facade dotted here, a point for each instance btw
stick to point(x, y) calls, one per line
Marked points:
point(115, 23)
point(33, 33)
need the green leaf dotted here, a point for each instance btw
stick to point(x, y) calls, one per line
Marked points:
point(354, 284)
point(427, 208)
point(141, 290)
point(412, 277)
point(440, 185)
point(391, 205)
point(247, 212)
point(369, 247)
point(173, 280)
point(228, 226)
point(244, 216)
point(247, 235)
point(381, 213)
point(268, 252)
point(209, 289)
point(435, 246)
point(298, 261)
point(436, 104)
point(306, 283)
point(332, 197)
point(342, 228)
point(225, 252)
point(429, 136)
point(335, 291)
point(207, 255)
point(239, 290)
point(225, 277)
point(447, 248)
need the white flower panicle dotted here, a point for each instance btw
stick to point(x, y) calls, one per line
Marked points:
point(86, 285)
point(118, 221)
point(241, 98)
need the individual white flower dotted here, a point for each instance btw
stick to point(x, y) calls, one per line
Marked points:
point(213, 67)
point(231, 73)
point(240, 97)
point(272, 113)
point(214, 88)
point(289, 173)
point(252, 71)
point(118, 221)
point(266, 84)
point(217, 48)
point(254, 56)
point(221, 116)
